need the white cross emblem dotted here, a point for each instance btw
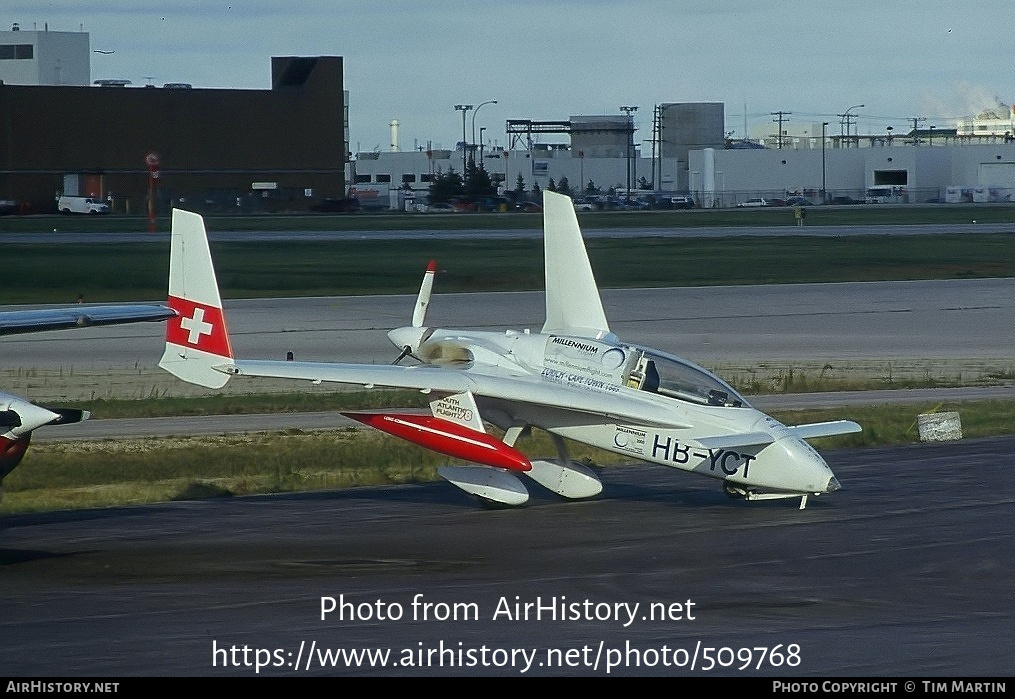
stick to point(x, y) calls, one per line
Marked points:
point(196, 326)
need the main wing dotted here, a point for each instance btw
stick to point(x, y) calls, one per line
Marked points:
point(81, 316)
point(479, 380)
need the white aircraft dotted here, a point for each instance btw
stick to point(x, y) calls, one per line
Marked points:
point(18, 416)
point(574, 379)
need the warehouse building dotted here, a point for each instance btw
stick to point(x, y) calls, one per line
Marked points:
point(279, 149)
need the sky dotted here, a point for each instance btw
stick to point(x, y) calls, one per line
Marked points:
point(414, 60)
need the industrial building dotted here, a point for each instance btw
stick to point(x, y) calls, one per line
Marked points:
point(689, 155)
point(279, 149)
point(44, 58)
point(952, 174)
point(598, 150)
point(286, 148)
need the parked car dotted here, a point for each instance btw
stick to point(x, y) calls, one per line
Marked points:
point(8, 206)
point(682, 202)
point(753, 203)
point(346, 205)
point(582, 205)
point(844, 200)
point(799, 201)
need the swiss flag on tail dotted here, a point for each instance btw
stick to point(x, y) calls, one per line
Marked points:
point(198, 326)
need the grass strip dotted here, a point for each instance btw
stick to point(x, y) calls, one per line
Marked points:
point(383, 221)
point(46, 273)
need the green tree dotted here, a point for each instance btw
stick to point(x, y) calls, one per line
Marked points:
point(445, 186)
point(564, 187)
point(477, 181)
point(519, 190)
point(551, 185)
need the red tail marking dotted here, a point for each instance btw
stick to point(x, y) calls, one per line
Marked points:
point(199, 326)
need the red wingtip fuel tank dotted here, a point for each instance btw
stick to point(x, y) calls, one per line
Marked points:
point(447, 437)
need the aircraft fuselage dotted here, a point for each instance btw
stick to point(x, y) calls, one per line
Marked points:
point(668, 411)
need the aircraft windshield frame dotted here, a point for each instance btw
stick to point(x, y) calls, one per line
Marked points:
point(671, 376)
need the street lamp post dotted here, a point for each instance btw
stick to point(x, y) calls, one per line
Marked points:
point(478, 107)
point(463, 108)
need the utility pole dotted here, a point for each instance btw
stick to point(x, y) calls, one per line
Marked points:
point(846, 119)
point(659, 138)
point(824, 197)
point(630, 141)
point(780, 119)
point(916, 120)
point(655, 140)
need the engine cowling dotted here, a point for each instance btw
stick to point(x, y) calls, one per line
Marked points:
point(18, 418)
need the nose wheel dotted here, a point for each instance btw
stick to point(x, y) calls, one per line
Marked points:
point(739, 492)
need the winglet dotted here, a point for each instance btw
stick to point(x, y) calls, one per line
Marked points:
point(573, 306)
point(196, 339)
point(423, 300)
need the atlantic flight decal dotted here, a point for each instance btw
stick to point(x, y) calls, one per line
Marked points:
point(198, 326)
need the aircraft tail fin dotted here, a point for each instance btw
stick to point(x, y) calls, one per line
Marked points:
point(573, 305)
point(197, 343)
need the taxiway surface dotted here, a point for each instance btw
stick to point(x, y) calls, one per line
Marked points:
point(965, 323)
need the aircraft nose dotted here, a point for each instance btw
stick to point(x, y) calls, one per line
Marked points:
point(810, 473)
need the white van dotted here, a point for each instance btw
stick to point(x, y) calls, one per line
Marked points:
point(887, 194)
point(81, 205)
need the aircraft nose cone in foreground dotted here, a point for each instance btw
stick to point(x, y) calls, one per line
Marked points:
point(809, 472)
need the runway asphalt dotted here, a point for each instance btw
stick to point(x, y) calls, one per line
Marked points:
point(905, 573)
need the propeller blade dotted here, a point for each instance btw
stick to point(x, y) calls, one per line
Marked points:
point(406, 351)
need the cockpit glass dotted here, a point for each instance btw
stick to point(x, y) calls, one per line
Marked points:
point(671, 376)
